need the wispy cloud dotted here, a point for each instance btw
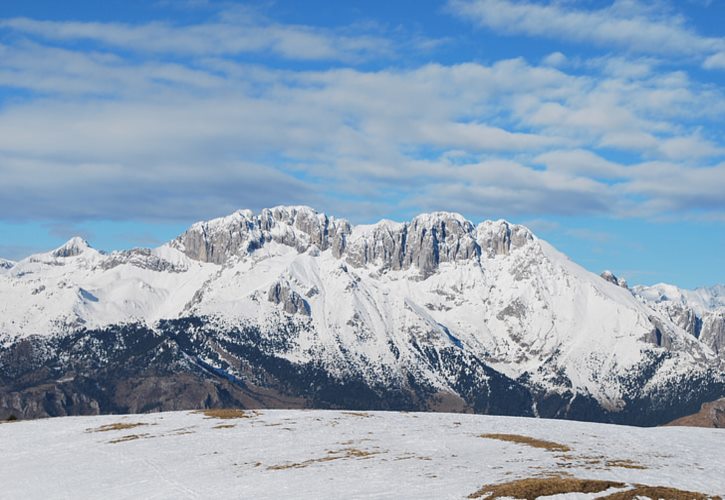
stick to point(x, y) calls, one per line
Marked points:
point(218, 38)
point(626, 25)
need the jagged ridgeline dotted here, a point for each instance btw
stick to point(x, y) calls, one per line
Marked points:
point(290, 308)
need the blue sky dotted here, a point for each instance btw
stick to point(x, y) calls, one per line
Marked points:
point(596, 123)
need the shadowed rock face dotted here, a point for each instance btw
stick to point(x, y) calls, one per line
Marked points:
point(703, 324)
point(293, 303)
point(424, 243)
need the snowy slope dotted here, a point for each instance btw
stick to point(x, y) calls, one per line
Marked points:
point(326, 454)
point(431, 299)
point(6, 264)
point(75, 285)
point(701, 300)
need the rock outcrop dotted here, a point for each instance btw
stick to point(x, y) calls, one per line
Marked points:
point(700, 312)
point(612, 278)
point(712, 333)
point(424, 243)
point(292, 302)
point(241, 233)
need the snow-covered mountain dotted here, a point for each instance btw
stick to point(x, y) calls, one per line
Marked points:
point(6, 264)
point(292, 307)
point(700, 312)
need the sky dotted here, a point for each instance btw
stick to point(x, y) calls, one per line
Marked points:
point(598, 124)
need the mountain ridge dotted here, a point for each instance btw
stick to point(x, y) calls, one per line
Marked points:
point(415, 315)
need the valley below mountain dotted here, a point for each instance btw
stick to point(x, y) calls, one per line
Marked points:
point(291, 308)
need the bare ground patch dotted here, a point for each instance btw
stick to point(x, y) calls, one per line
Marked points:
point(529, 441)
point(227, 413)
point(129, 437)
point(346, 453)
point(224, 426)
point(657, 492)
point(118, 426)
point(357, 414)
point(411, 456)
point(624, 464)
point(532, 488)
point(598, 462)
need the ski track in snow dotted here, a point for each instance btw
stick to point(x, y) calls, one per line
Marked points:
point(335, 454)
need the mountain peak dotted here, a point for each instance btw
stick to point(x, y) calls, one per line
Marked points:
point(72, 247)
point(612, 278)
point(6, 264)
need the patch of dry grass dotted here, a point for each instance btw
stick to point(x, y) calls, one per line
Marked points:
point(224, 426)
point(357, 414)
point(345, 453)
point(532, 488)
point(529, 441)
point(227, 413)
point(118, 426)
point(624, 464)
point(412, 456)
point(657, 492)
point(129, 437)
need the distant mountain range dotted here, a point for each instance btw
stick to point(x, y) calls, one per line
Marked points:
point(292, 308)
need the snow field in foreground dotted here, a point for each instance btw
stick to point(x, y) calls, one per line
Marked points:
point(337, 454)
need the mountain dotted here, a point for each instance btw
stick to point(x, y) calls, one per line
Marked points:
point(711, 414)
point(700, 312)
point(291, 308)
point(6, 264)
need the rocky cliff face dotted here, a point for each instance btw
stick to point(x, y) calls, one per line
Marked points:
point(238, 235)
point(423, 243)
point(291, 301)
point(712, 333)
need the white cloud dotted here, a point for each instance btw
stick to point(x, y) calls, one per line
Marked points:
point(715, 61)
point(222, 37)
point(108, 135)
point(554, 59)
point(582, 162)
point(626, 25)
